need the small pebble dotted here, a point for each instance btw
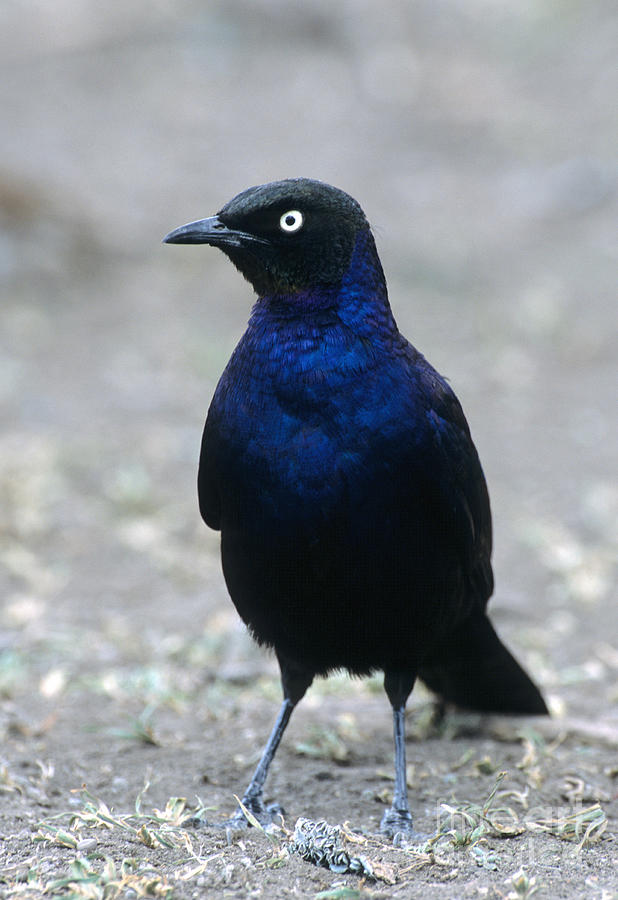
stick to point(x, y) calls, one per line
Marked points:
point(86, 845)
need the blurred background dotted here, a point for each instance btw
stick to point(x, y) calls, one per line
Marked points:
point(479, 136)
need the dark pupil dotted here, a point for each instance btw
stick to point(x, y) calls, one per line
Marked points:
point(289, 220)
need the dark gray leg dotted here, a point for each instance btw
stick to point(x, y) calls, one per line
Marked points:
point(295, 682)
point(397, 820)
point(252, 798)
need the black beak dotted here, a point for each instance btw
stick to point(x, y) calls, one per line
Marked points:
point(210, 231)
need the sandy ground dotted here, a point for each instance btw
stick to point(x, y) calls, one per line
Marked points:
point(480, 139)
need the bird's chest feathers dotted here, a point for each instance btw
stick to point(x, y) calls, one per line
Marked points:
point(301, 409)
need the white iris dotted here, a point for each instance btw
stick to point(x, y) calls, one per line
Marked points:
point(291, 221)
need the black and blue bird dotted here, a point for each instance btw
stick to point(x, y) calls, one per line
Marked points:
point(339, 468)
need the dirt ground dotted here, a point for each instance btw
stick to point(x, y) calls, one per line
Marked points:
point(480, 139)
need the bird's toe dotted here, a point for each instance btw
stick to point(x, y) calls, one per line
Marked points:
point(253, 812)
point(397, 825)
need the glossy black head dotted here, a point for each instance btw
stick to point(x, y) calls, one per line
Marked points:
point(286, 236)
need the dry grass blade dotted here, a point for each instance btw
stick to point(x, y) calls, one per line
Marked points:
point(467, 823)
point(128, 879)
point(270, 832)
point(8, 782)
point(340, 893)
point(159, 828)
point(52, 835)
point(87, 878)
point(249, 816)
point(584, 825)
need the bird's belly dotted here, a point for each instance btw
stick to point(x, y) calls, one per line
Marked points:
point(331, 562)
point(335, 547)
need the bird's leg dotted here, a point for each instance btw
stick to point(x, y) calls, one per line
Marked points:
point(397, 820)
point(252, 798)
point(398, 817)
point(295, 682)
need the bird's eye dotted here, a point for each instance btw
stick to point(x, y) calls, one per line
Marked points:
point(291, 221)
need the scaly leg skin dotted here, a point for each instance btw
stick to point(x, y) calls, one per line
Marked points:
point(397, 822)
point(295, 682)
point(252, 798)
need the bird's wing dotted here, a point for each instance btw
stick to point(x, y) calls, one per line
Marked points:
point(462, 482)
point(207, 481)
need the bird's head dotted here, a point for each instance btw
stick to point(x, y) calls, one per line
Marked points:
point(286, 237)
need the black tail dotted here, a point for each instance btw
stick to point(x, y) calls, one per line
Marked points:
point(473, 669)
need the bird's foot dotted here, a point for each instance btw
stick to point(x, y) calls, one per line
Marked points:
point(253, 811)
point(397, 825)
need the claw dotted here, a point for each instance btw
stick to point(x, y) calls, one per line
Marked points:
point(397, 825)
point(254, 808)
point(256, 813)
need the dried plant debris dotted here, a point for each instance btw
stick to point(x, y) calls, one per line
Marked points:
point(329, 846)
point(341, 893)
point(86, 879)
point(582, 825)
point(466, 824)
point(577, 790)
point(94, 875)
point(159, 828)
point(524, 887)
